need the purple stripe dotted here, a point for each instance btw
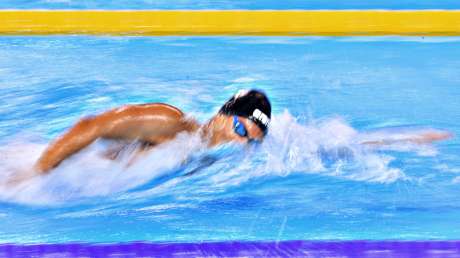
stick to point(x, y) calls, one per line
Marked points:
point(238, 249)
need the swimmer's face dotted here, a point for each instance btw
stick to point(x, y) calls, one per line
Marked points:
point(234, 113)
point(243, 130)
point(228, 128)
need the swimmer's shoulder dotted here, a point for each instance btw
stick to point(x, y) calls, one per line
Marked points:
point(149, 109)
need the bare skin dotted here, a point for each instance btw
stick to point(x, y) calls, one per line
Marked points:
point(151, 124)
point(423, 138)
point(156, 123)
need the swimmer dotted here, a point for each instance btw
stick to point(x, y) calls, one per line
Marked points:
point(244, 118)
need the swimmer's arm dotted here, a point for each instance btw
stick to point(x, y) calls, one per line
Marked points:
point(422, 138)
point(79, 136)
point(153, 123)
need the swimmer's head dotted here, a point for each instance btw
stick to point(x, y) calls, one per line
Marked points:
point(244, 118)
point(251, 104)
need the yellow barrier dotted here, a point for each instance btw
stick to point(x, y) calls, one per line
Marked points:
point(231, 22)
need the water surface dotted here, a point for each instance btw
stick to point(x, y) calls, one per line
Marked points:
point(310, 179)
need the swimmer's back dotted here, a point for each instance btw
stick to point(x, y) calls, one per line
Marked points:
point(152, 122)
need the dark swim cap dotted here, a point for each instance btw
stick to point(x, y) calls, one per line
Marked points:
point(252, 104)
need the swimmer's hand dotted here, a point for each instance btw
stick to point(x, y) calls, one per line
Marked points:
point(422, 138)
point(21, 177)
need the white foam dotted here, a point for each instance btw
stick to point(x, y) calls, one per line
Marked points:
point(246, 79)
point(456, 180)
point(88, 173)
point(58, 1)
point(276, 40)
point(419, 39)
point(328, 147)
point(163, 207)
point(446, 168)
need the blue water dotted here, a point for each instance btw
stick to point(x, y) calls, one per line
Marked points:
point(310, 179)
point(230, 4)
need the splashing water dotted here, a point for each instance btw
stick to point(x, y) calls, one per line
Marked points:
point(329, 147)
point(311, 178)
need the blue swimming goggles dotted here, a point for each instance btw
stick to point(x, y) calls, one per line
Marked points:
point(239, 129)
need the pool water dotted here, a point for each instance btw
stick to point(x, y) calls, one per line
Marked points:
point(311, 179)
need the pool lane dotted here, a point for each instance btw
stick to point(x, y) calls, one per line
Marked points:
point(231, 22)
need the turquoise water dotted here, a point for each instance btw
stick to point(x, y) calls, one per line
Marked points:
point(310, 179)
point(230, 4)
